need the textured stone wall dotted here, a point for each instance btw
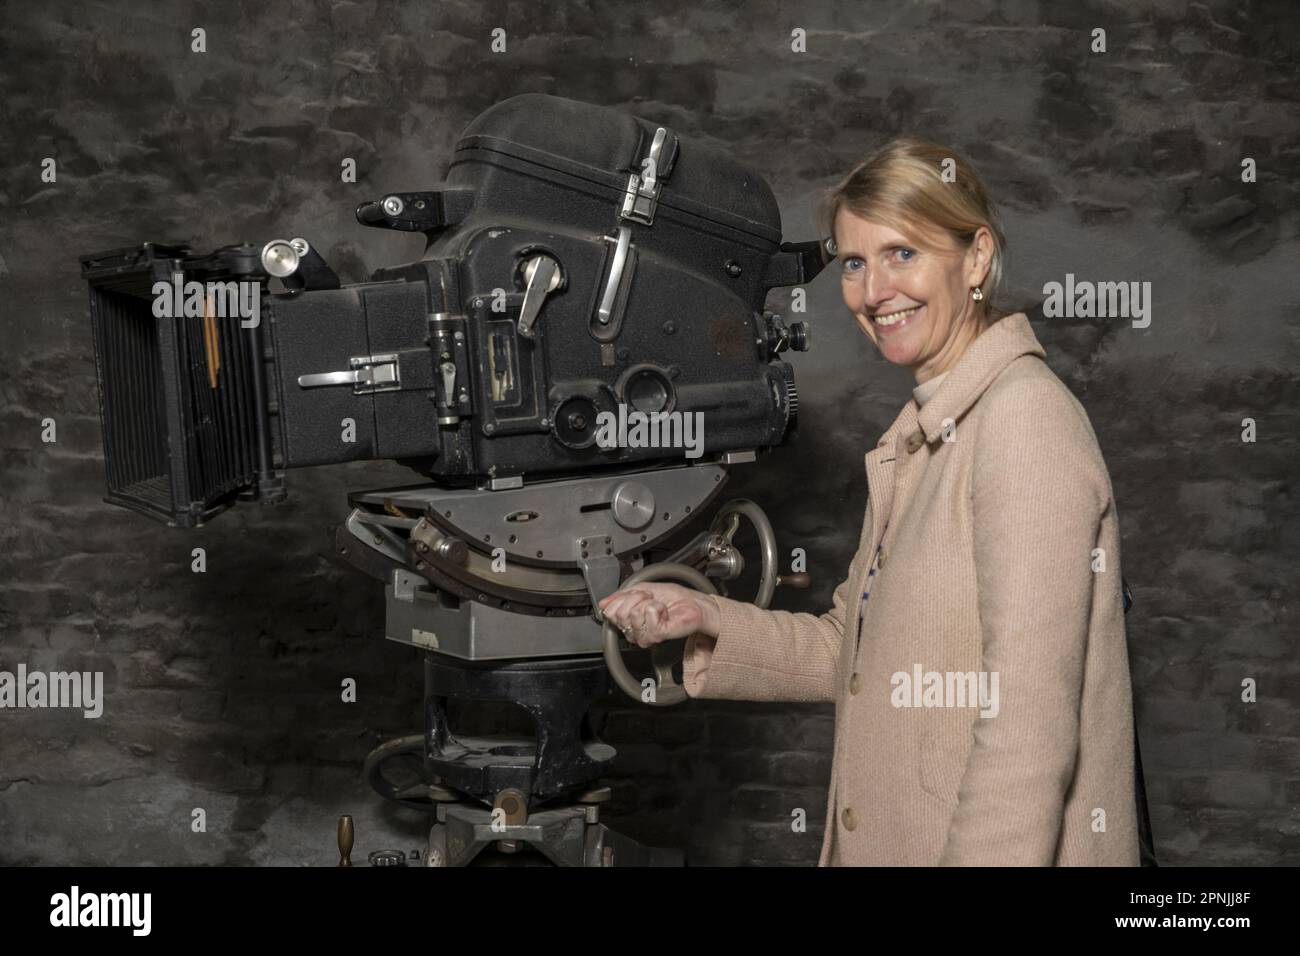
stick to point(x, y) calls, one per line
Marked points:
point(223, 688)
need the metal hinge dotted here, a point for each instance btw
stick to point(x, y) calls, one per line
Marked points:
point(643, 190)
point(370, 373)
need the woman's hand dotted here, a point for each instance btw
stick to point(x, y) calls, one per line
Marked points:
point(653, 612)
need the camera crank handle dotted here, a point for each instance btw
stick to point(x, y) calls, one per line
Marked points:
point(727, 521)
point(801, 580)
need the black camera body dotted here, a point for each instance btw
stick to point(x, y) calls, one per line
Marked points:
point(582, 263)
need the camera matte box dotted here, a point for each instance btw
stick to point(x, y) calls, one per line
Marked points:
point(184, 424)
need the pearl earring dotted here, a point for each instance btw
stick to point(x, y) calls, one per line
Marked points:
point(977, 294)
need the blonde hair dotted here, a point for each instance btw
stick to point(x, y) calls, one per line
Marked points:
point(901, 184)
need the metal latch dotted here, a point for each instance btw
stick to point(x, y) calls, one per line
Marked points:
point(370, 373)
point(643, 191)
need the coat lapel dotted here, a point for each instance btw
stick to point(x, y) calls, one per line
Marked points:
point(982, 362)
point(882, 470)
point(996, 348)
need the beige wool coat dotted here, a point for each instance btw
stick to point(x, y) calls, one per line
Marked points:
point(990, 551)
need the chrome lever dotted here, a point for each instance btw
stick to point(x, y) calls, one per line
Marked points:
point(606, 308)
point(369, 373)
point(332, 378)
point(543, 276)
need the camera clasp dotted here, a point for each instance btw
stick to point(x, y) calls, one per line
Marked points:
point(642, 193)
point(370, 373)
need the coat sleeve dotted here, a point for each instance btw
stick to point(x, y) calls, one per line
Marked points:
point(1039, 488)
point(771, 655)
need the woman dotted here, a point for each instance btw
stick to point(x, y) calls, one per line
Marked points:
point(976, 650)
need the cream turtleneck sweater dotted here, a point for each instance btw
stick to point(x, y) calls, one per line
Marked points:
point(923, 392)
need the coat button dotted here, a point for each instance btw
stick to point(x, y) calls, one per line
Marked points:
point(849, 819)
point(915, 441)
point(855, 683)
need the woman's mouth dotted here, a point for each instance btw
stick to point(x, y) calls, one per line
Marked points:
point(892, 321)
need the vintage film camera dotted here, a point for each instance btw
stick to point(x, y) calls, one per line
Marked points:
point(581, 263)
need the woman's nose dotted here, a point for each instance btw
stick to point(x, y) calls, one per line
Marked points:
point(872, 291)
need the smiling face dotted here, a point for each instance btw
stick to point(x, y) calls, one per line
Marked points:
point(914, 303)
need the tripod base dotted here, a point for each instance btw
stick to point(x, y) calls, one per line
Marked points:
point(512, 800)
point(564, 836)
point(561, 757)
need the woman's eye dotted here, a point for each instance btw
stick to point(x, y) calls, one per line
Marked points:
point(851, 264)
point(910, 255)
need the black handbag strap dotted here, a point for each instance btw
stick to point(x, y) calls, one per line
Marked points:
point(1146, 843)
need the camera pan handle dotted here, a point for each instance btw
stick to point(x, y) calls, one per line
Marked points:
point(666, 691)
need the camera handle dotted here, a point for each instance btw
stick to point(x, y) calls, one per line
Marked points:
point(715, 550)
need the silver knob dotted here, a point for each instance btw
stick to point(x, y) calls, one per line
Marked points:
point(633, 505)
point(453, 549)
point(280, 258)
